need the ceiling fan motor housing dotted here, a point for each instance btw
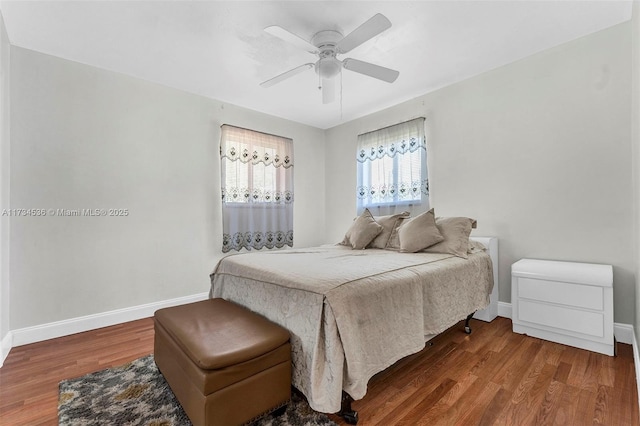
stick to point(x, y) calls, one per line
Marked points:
point(328, 66)
point(327, 38)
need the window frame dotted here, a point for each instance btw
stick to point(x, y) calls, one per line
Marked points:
point(387, 138)
point(278, 178)
point(247, 211)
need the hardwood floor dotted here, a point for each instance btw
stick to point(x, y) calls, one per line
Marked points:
point(30, 375)
point(497, 377)
point(492, 376)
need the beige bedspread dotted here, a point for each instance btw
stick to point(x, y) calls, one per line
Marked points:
point(353, 313)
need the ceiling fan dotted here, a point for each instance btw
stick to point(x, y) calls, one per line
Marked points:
point(327, 45)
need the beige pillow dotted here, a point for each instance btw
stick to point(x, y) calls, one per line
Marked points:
point(419, 233)
point(455, 231)
point(388, 225)
point(362, 231)
point(394, 240)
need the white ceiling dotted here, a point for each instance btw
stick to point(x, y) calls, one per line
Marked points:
point(218, 49)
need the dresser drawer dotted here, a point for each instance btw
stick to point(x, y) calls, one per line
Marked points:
point(576, 295)
point(561, 318)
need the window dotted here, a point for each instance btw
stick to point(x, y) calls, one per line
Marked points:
point(392, 167)
point(257, 189)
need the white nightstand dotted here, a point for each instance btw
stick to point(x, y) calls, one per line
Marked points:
point(565, 302)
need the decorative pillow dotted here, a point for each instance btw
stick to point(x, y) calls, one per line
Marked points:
point(388, 225)
point(394, 240)
point(362, 231)
point(419, 233)
point(455, 231)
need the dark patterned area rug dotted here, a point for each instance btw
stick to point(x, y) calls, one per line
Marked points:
point(137, 394)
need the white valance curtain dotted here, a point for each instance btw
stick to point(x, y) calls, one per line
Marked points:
point(392, 168)
point(257, 189)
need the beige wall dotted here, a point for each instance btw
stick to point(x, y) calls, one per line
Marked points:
point(635, 158)
point(88, 138)
point(538, 151)
point(4, 181)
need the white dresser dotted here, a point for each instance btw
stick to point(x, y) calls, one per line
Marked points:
point(565, 302)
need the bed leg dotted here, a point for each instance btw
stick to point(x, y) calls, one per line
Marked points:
point(467, 328)
point(346, 412)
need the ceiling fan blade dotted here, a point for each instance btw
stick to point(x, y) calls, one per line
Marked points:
point(371, 28)
point(375, 71)
point(292, 38)
point(285, 75)
point(328, 90)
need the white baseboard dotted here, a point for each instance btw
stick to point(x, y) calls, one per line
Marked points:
point(24, 336)
point(5, 347)
point(636, 363)
point(504, 309)
point(623, 332)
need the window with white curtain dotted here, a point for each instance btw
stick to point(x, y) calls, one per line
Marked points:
point(257, 189)
point(392, 168)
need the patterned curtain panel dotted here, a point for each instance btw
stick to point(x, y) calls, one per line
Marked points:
point(257, 189)
point(392, 168)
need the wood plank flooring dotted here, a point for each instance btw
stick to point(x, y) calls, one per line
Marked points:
point(491, 377)
point(30, 375)
point(497, 377)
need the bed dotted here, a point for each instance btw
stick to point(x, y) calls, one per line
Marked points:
point(353, 313)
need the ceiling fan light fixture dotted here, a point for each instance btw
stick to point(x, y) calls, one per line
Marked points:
point(328, 67)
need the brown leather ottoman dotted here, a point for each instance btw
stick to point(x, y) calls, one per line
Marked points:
point(225, 364)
